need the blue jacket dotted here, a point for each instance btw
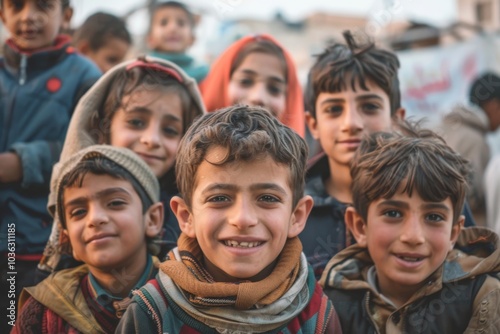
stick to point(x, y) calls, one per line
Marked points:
point(325, 233)
point(38, 93)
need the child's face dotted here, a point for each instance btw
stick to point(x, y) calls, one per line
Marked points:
point(105, 223)
point(241, 215)
point(34, 24)
point(407, 238)
point(171, 31)
point(110, 54)
point(150, 124)
point(259, 81)
point(343, 118)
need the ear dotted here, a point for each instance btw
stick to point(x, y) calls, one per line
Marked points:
point(400, 114)
point(67, 15)
point(193, 39)
point(455, 231)
point(83, 47)
point(356, 225)
point(312, 124)
point(299, 216)
point(184, 216)
point(154, 219)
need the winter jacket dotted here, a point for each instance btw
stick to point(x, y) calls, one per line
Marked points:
point(462, 296)
point(325, 233)
point(62, 302)
point(38, 92)
point(465, 129)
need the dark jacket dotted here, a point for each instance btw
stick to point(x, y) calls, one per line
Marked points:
point(325, 233)
point(38, 93)
point(462, 296)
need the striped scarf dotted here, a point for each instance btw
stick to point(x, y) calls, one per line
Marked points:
point(190, 275)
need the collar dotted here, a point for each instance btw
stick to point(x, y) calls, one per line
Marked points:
point(106, 299)
point(19, 62)
point(371, 278)
point(181, 59)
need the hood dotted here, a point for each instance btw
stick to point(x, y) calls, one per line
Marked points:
point(79, 134)
point(473, 116)
point(476, 252)
point(215, 86)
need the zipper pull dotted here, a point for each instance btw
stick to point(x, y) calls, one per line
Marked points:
point(22, 69)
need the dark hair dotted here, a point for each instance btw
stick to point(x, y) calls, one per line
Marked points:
point(260, 45)
point(99, 28)
point(125, 82)
point(341, 65)
point(486, 87)
point(176, 4)
point(248, 133)
point(413, 158)
point(64, 3)
point(99, 166)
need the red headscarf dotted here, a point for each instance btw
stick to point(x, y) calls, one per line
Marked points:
point(214, 88)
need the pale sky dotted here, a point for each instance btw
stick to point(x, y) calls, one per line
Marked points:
point(435, 12)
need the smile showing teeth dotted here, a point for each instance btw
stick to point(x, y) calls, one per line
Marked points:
point(410, 259)
point(243, 244)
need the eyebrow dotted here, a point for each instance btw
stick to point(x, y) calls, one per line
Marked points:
point(358, 98)
point(274, 78)
point(425, 206)
point(100, 194)
point(144, 110)
point(253, 187)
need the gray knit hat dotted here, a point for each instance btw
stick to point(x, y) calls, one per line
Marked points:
point(123, 157)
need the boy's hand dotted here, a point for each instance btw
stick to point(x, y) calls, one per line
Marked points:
point(10, 168)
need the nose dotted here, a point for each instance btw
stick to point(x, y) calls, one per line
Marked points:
point(97, 216)
point(352, 120)
point(257, 96)
point(412, 232)
point(151, 136)
point(243, 215)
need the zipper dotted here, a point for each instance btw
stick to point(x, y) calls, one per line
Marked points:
point(22, 69)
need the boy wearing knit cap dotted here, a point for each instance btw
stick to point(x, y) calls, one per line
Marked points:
point(238, 267)
point(108, 204)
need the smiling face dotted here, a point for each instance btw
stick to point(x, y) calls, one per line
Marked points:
point(34, 24)
point(105, 223)
point(241, 215)
point(150, 124)
point(343, 118)
point(171, 30)
point(407, 238)
point(259, 81)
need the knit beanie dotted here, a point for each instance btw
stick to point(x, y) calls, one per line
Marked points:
point(123, 157)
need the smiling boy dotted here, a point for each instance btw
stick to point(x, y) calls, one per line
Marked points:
point(413, 270)
point(108, 204)
point(238, 266)
point(41, 80)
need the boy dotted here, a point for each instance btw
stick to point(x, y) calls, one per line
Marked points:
point(108, 204)
point(238, 266)
point(404, 274)
point(171, 34)
point(104, 39)
point(352, 90)
point(41, 80)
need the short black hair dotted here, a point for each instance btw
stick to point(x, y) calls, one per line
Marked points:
point(176, 4)
point(355, 62)
point(99, 27)
point(486, 87)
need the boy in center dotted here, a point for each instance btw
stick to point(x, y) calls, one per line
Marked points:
point(239, 265)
